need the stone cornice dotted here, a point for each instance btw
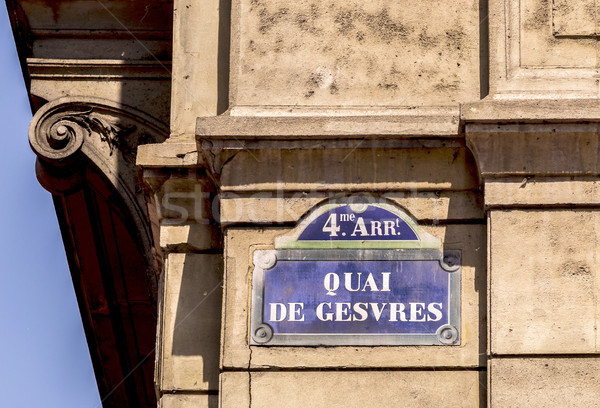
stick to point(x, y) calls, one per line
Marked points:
point(45, 68)
point(548, 138)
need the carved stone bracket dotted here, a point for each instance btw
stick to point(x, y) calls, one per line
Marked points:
point(69, 134)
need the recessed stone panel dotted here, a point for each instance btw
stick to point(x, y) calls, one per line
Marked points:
point(415, 389)
point(376, 53)
point(543, 49)
point(544, 382)
point(544, 281)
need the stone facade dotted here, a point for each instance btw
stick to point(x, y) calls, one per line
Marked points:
point(479, 119)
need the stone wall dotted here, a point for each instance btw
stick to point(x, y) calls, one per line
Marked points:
point(329, 99)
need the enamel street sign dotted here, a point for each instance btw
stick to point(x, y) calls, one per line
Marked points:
point(356, 272)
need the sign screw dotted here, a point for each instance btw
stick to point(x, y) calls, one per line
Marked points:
point(262, 333)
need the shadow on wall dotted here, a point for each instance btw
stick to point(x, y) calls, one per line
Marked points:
point(196, 289)
point(466, 229)
point(484, 49)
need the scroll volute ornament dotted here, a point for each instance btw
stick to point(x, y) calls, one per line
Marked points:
point(106, 133)
point(59, 138)
point(71, 134)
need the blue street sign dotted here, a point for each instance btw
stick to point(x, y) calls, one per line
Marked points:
point(332, 294)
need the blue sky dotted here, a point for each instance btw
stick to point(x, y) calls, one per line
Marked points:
point(43, 354)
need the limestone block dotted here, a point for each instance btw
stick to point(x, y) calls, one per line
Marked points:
point(413, 389)
point(545, 382)
point(189, 401)
point(191, 320)
point(240, 242)
point(270, 208)
point(234, 391)
point(178, 236)
point(150, 96)
point(531, 110)
point(195, 63)
point(544, 281)
point(532, 191)
point(331, 53)
point(186, 199)
point(442, 168)
point(174, 152)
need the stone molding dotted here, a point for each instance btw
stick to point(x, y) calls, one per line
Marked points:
point(328, 123)
point(533, 138)
point(533, 56)
point(94, 69)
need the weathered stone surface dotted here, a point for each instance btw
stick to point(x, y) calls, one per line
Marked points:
point(178, 151)
point(188, 353)
point(544, 281)
point(178, 236)
point(535, 191)
point(188, 199)
point(234, 390)
point(189, 401)
point(354, 53)
point(418, 389)
point(240, 243)
point(546, 149)
point(545, 382)
point(266, 208)
point(350, 169)
point(196, 71)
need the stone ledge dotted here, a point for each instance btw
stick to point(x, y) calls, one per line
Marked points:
point(540, 110)
point(329, 123)
point(536, 191)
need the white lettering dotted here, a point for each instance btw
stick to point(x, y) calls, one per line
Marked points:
point(370, 282)
point(331, 226)
point(397, 310)
point(385, 285)
point(376, 228)
point(331, 283)
point(376, 311)
point(296, 312)
point(416, 312)
point(341, 311)
point(277, 317)
point(361, 309)
point(389, 228)
point(360, 226)
point(328, 316)
point(437, 313)
point(348, 281)
point(347, 217)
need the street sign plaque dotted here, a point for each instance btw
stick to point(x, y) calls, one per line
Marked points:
point(356, 274)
